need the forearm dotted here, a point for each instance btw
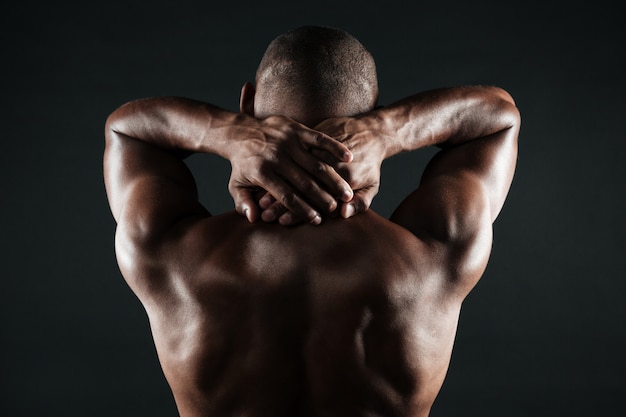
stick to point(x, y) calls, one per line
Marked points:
point(445, 118)
point(271, 154)
point(178, 124)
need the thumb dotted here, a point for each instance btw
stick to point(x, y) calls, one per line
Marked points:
point(359, 203)
point(245, 204)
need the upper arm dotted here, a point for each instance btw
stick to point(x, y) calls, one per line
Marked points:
point(461, 193)
point(149, 189)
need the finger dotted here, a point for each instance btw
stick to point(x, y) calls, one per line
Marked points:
point(245, 204)
point(360, 203)
point(288, 219)
point(325, 175)
point(266, 201)
point(259, 194)
point(273, 212)
point(340, 168)
point(308, 187)
point(319, 140)
point(285, 194)
point(324, 156)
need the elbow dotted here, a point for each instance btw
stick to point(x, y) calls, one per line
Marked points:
point(504, 95)
point(117, 122)
point(500, 104)
point(510, 103)
point(513, 117)
point(505, 105)
point(510, 114)
point(111, 129)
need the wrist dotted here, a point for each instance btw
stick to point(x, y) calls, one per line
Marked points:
point(240, 129)
point(383, 128)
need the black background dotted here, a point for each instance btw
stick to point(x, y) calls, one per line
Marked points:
point(541, 335)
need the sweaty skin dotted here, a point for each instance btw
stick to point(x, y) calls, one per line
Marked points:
point(354, 317)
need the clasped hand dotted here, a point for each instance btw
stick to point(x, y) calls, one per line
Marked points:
point(285, 171)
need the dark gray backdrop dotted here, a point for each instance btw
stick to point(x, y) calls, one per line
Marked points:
point(541, 335)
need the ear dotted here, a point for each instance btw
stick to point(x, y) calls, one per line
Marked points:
point(246, 101)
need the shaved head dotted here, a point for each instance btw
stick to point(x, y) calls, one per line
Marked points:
point(313, 73)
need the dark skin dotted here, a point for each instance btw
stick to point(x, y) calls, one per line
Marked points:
point(353, 317)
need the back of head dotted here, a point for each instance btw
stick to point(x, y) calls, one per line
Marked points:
point(313, 73)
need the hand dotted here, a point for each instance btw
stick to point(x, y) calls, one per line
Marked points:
point(276, 154)
point(365, 141)
point(367, 145)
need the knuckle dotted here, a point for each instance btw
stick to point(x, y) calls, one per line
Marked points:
point(320, 167)
point(287, 199)
point(347, 176)
point(271, 160)
point(309, 187)
point(279, 209)
point(264, 169)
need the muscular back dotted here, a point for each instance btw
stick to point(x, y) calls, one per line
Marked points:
point(354, 318)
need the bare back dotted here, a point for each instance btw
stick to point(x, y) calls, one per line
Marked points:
point(353, 318)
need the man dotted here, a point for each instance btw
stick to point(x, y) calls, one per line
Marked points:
point(339, 315)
